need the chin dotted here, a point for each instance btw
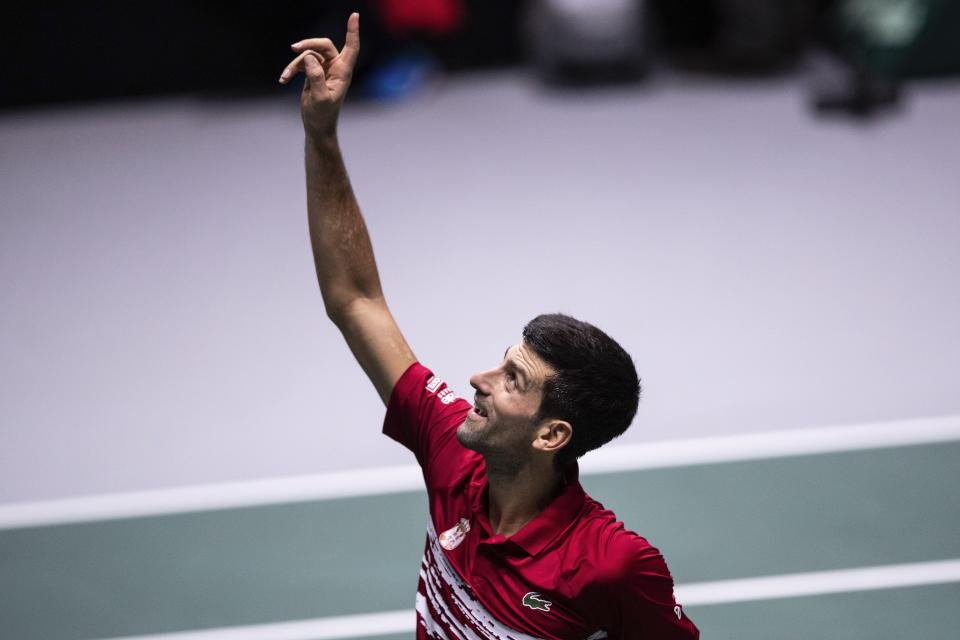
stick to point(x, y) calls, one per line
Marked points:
point(468, 436)
point(463, 434)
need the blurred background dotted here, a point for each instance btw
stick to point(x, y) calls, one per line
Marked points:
point(59, 52)
point(757, 199)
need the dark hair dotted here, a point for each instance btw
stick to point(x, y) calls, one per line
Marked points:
point(595, 387)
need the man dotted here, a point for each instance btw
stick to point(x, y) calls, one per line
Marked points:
point(515, 548)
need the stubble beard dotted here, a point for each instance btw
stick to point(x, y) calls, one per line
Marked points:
point(500, 461)
point(471, 438)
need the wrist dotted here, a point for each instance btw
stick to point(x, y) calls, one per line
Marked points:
point(322, 141)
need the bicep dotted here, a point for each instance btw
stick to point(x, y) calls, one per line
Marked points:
point(376, 342)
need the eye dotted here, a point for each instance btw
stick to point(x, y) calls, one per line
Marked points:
point(511, 377)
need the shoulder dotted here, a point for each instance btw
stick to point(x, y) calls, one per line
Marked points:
point(423, 413)
point(628, 560)
point(629, 592)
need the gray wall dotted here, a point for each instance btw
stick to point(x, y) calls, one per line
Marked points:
point(160, 323)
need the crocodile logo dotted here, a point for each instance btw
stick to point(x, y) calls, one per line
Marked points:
point(534, 601)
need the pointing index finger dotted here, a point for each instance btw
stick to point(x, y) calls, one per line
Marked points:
point(352, 46)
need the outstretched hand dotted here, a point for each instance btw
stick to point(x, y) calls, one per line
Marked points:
point(328, 74)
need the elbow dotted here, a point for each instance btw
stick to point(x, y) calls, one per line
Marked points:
point(341, 312)
point(336, 313)
point(337, 302)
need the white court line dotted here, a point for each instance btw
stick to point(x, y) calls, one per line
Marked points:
point(358, 626)
point(386, 480)
point(696, 594)
point(819, 583)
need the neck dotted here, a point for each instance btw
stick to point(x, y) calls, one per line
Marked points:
point(518, 494)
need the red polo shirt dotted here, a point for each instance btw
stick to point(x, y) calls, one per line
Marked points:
point(571, 573)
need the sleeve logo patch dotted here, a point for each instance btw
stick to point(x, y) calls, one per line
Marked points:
point(447, 396)
point(534, 601)
point(452, 537)
point(677, 610)
point(433, 383)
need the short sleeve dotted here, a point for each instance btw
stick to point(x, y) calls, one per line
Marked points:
point(637, 594)
point(423, 414)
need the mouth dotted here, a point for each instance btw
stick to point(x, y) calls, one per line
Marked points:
point(478, 409)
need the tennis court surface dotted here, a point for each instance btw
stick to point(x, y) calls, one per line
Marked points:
point(840, 532)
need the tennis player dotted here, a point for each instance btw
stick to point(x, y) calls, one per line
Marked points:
point(515, 548)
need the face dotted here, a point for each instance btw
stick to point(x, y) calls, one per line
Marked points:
point(502, 422)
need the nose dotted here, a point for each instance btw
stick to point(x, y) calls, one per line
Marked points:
point(480, 382)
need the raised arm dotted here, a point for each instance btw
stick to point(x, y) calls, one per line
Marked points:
point(342, 253)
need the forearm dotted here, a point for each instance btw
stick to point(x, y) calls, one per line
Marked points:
point(342, 252)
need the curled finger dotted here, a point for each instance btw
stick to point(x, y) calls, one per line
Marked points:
point(323, 46)
point(298, 66)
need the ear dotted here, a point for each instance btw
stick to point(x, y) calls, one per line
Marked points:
point(552, 435)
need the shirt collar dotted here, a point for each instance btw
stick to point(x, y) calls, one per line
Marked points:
point(549, 523)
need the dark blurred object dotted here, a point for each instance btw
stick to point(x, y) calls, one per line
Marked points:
point(458, 35)
point(408, 35)
point(59, 52)
point(416, 43)
point(56, 52)
point(874, 45)
point(843, 86)
point(400, 76)
point(436, 17)
point(575, 41)
point(900, 38)
point(751, 36)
